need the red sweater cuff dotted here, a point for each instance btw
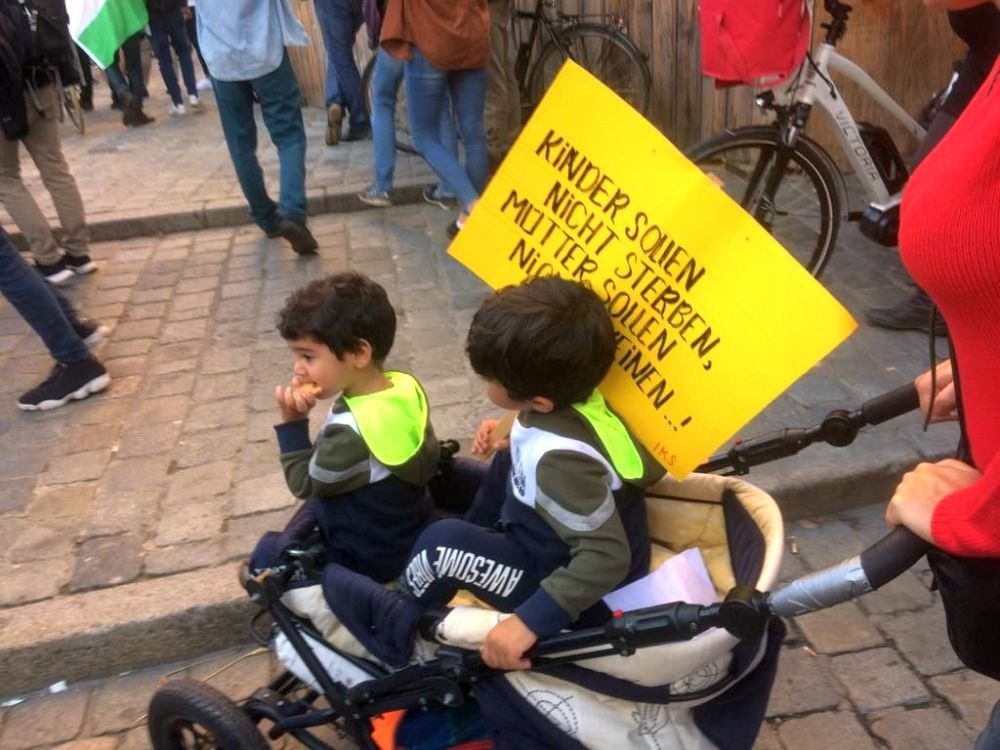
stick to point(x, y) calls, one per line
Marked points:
point(967, 522)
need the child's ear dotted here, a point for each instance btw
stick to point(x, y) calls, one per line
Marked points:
point(542, 404)
point(362, 355)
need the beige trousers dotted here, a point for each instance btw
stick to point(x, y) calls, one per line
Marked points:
point(44, 147)
point(503, 101)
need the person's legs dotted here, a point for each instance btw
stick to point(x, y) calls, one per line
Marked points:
point(385, 89)
point(280, 104)
point(42, 142)
point(324, 15)
point(468, 95)
point(235, 103)
point(87, 84)
point(132, 49)
point(21, 206)
point(503, 100)
point(346, 19)
point(191, 26)
point(159, 38)
point(38, 303)
point(426, 87)
point(182, 48)
point(450, 555)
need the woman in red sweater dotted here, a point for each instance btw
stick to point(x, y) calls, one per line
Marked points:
point(950, 242)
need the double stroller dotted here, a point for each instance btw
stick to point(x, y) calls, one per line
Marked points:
point(387, 675)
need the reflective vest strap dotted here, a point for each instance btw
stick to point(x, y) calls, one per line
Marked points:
point(614, 436)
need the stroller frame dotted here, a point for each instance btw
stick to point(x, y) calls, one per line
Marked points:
point(446, 680)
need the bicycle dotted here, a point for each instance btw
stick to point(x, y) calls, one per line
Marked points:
point(598, 42)
point(785, 179)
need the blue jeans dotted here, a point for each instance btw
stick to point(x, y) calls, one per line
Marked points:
point(132, 49)
point(339, 21)
point(385, 89)
point(41, 306)
point(426, 88)
point(281, 107)
point(166, 31)
point(990, 737)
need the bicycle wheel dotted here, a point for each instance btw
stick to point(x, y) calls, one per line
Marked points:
point(74, 110)
point(606, 53)
point(190, 714)
point(403, 140)
point(804, 213)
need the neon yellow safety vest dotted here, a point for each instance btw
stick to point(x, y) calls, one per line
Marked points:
point(392, 422)
point(614, 436)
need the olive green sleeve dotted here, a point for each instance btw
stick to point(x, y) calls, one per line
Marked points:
point(338, 463)
point(420, 468)
point(577, 503)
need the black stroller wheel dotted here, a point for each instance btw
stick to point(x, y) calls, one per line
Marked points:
point(194, 716)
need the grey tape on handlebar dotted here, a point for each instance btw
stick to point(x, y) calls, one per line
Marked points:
point(820, 590)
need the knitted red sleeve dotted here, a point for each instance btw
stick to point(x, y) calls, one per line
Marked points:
point(967, 522)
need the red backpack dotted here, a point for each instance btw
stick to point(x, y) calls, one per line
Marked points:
point(757, 42)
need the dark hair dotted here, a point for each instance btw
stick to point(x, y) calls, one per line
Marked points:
point(546, 337)
point(339, 311)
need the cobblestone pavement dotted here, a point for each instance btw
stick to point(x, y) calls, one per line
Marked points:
point(867, 675)
point(180, 163)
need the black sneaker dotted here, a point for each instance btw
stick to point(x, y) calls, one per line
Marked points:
point(453, 229)
point(362, 133)
point(55, 273)
point(913, 314)
point(66, 383)
point(79, 264)
point(298, 234)
point(89, 331)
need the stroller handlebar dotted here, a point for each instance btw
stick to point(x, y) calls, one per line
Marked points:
point(839, 428)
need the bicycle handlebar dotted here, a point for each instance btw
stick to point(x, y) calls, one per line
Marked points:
point(839, 428)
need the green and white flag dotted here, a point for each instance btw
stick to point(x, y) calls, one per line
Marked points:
point(100, 26)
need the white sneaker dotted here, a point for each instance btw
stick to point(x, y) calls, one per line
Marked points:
point(194, 101)
point(177, 109)
point(203, 84)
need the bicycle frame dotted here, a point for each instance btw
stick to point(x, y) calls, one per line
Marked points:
point(817, 88)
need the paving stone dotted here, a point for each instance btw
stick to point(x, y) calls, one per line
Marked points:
point(199, 301)
point(905, 593)
point(242, 672)
point(44, 720)
point(832, 730)
point(178, 558)
point(127, 474)
point(135, 739)
point(99, 411)
point(257, 460)
point(240, 289)
point(269, 492)
point(971, 694)
point(191, 520)
point(15, 494)
point(217, 387)
point(17, 461)
point(91, 436)
point(922, 637)
point(201, 284)
point(920, 729)
point(190, 314)
point(157, 410)
point(123, 387)
point(148, 439)
point(224, 413)
point(129, 348)
point(91, 743)
point(47, 539)
point(136, 329)
point(877, 679)
point(767, 739)
point(145, 296)
point(168, 384)
point(61, 501)
point(826, 543)
point(200, 481)
point(124, 366)
point(149, 310)
point(804, 683)
point(120, 703)
point(107, 561)
point(33, 581)
point(122, 510)
point(218, 360)
point(184, 331)
point(204, 447)
point(76, 467)
point(243, 533)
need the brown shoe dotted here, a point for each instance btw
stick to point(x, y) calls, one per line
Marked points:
point(334, 116)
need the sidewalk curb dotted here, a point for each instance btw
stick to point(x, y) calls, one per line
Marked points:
point(175, 617)
point(217, 217)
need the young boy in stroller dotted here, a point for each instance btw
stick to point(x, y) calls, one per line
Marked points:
point(562, 522)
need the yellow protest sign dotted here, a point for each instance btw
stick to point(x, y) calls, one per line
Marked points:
point(713, 318)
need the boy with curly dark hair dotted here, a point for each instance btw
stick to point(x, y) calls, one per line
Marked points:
point(376, 452)
point(570, 504)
